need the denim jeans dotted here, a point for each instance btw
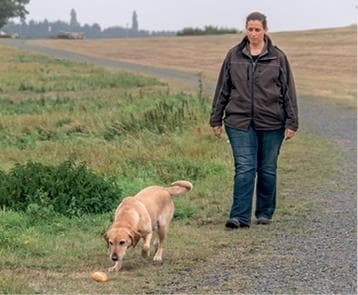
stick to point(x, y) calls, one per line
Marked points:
point(255, 153)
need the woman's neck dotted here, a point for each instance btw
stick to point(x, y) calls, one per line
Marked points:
point(256, 49)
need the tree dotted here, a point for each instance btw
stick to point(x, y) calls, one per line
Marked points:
point(73, 22)
point(12, 8)
point(135, 22)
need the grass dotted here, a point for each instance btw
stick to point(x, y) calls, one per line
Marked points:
point(136, 129)
point(323, 61)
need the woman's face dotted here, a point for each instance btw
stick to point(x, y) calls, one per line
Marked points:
point(255, 32)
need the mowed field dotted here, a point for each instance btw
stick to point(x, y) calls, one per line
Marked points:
point(324, 61)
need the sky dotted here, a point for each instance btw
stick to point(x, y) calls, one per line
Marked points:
point(174, 15)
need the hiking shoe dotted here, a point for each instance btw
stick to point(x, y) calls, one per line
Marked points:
point(234, 223)
point(263, 220)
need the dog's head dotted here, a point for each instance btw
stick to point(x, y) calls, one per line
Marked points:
point(119, 240)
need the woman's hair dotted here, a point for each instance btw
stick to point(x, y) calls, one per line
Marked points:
point(257, 16)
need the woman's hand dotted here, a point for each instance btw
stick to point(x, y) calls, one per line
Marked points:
point(217, 131)
point(289, 133)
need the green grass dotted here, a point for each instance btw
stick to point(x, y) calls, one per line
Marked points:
point(135, 129)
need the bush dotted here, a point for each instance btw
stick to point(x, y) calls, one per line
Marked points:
point(208, 30)
point(68, 189)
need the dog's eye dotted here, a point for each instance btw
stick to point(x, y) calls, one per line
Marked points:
point(122, 243)
point(111, 243)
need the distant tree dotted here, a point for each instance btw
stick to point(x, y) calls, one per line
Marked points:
point(208, 30)
point(134, 21)
point(47, 29)
point(92, 31)
point(73, 21)
point(12, 8)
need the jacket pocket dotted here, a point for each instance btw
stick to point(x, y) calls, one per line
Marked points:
point(280, 110)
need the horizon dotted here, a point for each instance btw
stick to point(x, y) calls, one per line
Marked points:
point(157, 15)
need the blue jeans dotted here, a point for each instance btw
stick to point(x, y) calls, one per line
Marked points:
point(255, 153)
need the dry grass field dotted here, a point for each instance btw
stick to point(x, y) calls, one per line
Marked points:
point(324, 61)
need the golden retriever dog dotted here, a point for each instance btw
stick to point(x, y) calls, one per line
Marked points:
point(137, 217)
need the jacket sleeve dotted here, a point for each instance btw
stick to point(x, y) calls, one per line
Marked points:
point(222, 93)
point(289, 96)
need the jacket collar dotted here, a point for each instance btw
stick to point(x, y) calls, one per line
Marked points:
point(243, 46)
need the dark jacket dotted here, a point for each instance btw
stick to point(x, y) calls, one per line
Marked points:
point(261, 92)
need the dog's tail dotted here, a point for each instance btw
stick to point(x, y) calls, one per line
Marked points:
point(179, 187)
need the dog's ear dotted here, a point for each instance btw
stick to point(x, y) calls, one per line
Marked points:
point(135, 237)
point(106, 238)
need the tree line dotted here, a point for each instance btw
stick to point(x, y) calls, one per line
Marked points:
point(45, 29)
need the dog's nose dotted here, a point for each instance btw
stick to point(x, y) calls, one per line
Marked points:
point(114, 257)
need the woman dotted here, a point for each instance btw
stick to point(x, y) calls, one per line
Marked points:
point(256, 98)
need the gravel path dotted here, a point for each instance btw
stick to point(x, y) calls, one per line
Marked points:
point(324, 258)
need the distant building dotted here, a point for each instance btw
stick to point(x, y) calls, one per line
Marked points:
point(6, 35)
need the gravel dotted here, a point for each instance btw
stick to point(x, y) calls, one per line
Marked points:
point(325, 256)
point(322, 259)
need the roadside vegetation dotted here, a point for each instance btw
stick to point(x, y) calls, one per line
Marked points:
point(122, 132)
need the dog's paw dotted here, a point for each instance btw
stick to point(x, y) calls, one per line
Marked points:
point(157, 259)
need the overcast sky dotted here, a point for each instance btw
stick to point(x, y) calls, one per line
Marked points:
point(156, 15)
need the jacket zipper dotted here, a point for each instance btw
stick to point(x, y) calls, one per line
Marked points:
point(252, 82)
point(252, 92)
point(252, 85)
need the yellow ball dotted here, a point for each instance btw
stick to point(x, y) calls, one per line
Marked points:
point(99, 276)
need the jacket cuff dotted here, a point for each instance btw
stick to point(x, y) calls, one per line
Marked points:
point(291, 125)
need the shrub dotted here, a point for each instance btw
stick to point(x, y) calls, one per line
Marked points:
point(208, 30)
point(68, 189)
